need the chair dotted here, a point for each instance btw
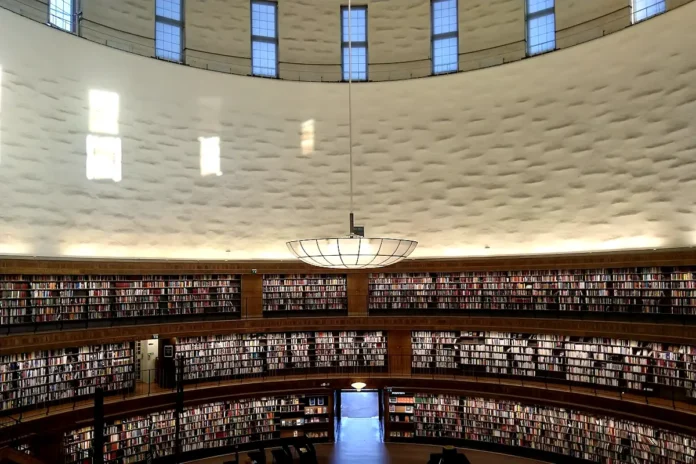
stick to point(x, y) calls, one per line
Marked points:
point(280, 456)
point(258, 457)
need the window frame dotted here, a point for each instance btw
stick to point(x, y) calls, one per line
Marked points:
point(655, 2)
point(73, 16)
point(538, 14)
point(261, 38)
point(172, 22)
point(446, 35)
point(344, 46)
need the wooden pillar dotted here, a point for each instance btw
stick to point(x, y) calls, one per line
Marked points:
point(357, 294)
point(166, 374)
point(387, 417)
point(332, 422)
point(399, 349)
point(252, 294)
point(337, 408)
point(98, 440)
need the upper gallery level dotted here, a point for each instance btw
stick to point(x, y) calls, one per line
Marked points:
point(109, 154)
point(393, 40)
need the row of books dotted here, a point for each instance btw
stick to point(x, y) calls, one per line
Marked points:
point(632, 364)
point(41, 299)
point(205, 426)
point(39, 377)
point(248, 354)
point(558, 430)
point(305, 293)
point(647, 290)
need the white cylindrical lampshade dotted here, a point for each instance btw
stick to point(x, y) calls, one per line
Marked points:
point(352, 252)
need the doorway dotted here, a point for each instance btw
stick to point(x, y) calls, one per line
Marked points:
point(359, 429)
point(147, 358)
point(360, 405)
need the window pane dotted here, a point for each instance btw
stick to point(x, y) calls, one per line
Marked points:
point(644, 9)
point(358, 64)
point(541, 34)
point(444, 16)
point(168, 9)
point(263, 58)
point(263, 19)
point(445, 55)
point(168, 41)
point(537, 5)
point(358, 25)
point(60, 14)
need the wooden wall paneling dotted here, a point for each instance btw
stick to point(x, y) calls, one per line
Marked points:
point(671, 333)
point(399, 349)
point(252, 296)
point(357, 294)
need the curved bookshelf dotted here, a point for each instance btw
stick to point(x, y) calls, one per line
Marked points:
point(531, 430)
point(652, 368)
point(646, 290)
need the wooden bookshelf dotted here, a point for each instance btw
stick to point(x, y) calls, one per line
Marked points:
point(35, 299)
point(238, 355)
point(606, 362)
point(44, 377)
point(654, 290)
point(208, 426)
point(125, 441)
point(163, 433)
point(222, 355)
point(572, 433)
point(307, 292)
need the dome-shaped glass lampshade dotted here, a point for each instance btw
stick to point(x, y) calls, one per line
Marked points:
point(352, 252)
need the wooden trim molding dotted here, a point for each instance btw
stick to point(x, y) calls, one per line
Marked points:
point(669, 333)
point(661, 257)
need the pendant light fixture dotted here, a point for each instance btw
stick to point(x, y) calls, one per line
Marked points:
point(354, 251)
point(358, 385)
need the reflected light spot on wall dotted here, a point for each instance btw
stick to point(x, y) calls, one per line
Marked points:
point(103, 151)
point(103, 157)
point(103, 112)
point(15, 248)
point(210, 156)
point(307, 142)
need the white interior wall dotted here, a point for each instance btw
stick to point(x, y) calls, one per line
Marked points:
point(583, 149)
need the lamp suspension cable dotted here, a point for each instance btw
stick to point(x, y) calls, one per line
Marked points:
point(350, 111)
point(355, 251)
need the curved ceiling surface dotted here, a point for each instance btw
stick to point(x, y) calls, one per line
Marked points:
point(588, 148)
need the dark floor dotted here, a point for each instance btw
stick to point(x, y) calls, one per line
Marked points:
point(386, 453)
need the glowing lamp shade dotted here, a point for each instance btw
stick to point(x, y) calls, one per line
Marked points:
point(358, 385)
point(352, 252)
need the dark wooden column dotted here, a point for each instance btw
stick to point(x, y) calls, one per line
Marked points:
point(399, 349)
point(98, 441)
point(252, 293)
point(357, 294)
